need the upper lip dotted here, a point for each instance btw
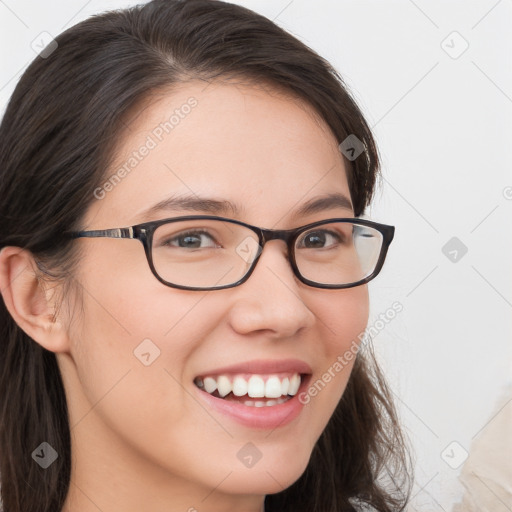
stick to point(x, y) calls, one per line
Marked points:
point(263, 366)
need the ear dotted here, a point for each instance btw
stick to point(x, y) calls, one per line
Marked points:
point(30, 304)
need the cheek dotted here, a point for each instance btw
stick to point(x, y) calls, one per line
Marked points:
point(134, 338)
point(137, 325)
point(343, 319)
point(131, 351)
point(126, 304)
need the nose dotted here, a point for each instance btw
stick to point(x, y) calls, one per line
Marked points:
point(271, 299)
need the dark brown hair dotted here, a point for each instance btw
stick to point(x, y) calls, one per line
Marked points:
point(57, 137)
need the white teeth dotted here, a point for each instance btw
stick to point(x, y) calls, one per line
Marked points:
point(294, 385)
point(210, 385)
point(239, 386)
point(273, 388)
point(223, 386)
point(285, 384)
point(256, 387)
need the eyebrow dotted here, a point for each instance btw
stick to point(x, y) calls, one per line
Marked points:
point(224, 207)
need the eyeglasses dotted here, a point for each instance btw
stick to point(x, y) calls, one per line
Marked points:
point(203, 252)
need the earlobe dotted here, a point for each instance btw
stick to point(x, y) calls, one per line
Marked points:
point(30, 304)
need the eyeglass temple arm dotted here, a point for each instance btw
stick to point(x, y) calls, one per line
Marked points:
point(108, 233)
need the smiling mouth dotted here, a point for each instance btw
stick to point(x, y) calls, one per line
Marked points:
point(253, 390)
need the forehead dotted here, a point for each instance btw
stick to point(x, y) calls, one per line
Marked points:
point(248, 144)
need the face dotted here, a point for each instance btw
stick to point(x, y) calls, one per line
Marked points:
point(139, 349)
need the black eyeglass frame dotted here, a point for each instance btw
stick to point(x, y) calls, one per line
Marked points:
point(144, 233)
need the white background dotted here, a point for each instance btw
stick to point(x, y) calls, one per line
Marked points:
point(443, 125)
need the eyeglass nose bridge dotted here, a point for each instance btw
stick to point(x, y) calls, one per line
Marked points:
point(277, 234)
point(266, 235)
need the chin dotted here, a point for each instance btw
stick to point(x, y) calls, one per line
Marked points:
point(263, 479)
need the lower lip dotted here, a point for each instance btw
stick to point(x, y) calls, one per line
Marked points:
point(266, 417)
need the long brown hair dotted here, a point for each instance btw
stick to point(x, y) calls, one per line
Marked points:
point(57, 137)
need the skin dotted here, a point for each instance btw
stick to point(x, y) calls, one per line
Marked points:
point(139, 439)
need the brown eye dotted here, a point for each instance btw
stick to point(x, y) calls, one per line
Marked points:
point(319, 239)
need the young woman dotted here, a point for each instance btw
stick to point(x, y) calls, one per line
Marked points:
point(184, 275)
